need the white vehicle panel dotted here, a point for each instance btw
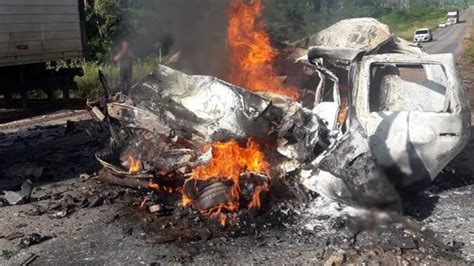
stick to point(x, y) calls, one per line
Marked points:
point(39, 31)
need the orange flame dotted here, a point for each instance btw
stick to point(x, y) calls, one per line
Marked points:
point(135, 165)
point(166, 189)
point(256, 203)
point(251, 55)
point(229, 161)
point(222, 220)
point(186, 201)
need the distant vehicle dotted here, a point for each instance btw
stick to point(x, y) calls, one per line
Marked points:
point(35, 34)
point(423, 35)
point(453, 17)
point(442, 25)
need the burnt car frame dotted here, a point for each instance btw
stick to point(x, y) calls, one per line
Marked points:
point(386, 116)
point(411, 105)
point(416, 124)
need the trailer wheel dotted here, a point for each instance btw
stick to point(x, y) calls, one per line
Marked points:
point(66, 93)
point(64, 84)
point(23, 87)
point(8, 96)
point(49, 94)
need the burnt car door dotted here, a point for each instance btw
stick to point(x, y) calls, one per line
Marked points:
point(416, 114)
point(332, 93)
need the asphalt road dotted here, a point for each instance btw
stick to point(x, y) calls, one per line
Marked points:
point(449, 39)
point(447, 207)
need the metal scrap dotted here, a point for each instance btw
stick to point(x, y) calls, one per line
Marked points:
point(20, 197)
point(33, 239)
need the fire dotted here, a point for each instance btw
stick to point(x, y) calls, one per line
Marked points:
point(229, 162)
point(256, 203)
point(135, 165)
point(251, 55)
point(223, 220)
point(185, 201)
point(167, 189)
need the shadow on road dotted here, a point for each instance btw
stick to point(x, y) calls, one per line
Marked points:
point(459, 173)
point(48, 154)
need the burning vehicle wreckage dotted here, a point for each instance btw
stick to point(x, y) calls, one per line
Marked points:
point(378, 117)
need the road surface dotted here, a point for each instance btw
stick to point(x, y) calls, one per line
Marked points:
point(449, 39)
point(447, 206)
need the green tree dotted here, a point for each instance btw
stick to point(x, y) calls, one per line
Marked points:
point(105, 25)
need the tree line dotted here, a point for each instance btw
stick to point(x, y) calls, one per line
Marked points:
point(109, 21)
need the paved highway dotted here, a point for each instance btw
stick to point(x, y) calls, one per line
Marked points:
point(449, 39)
point(448, 204)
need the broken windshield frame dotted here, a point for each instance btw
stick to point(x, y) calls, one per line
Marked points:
point(362, 91)
point(411, 87)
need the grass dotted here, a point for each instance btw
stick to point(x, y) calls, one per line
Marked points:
point(404, 24)
point(89, 85)
point(469, 49)
point(469, 52)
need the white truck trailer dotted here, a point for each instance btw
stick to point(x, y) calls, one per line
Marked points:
point(34, 33)
point(453, 17)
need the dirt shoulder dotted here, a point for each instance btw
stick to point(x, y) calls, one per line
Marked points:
point(465, 63)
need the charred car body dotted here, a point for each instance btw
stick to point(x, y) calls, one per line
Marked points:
point(412, 105)
point(385, 117)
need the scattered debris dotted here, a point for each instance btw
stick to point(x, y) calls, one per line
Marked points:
point(21, 225)
point(336, 259)
point(36, 210)
point(84, 176)
point(128, 230)
point(33, 239)
point(96, 201)
point(59, 214)
point(23, 196)
point(14, 236)
point(107, 177)
point(29, 260)
point(155, 208)
point(6, 254)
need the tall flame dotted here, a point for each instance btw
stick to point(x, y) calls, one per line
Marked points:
point(251, 55)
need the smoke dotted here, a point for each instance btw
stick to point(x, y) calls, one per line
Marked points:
point(196, 28)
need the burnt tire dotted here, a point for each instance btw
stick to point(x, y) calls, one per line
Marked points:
point(208, 195)
point(213, 195)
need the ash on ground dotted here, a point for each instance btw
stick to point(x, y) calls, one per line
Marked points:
point(80, 220)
